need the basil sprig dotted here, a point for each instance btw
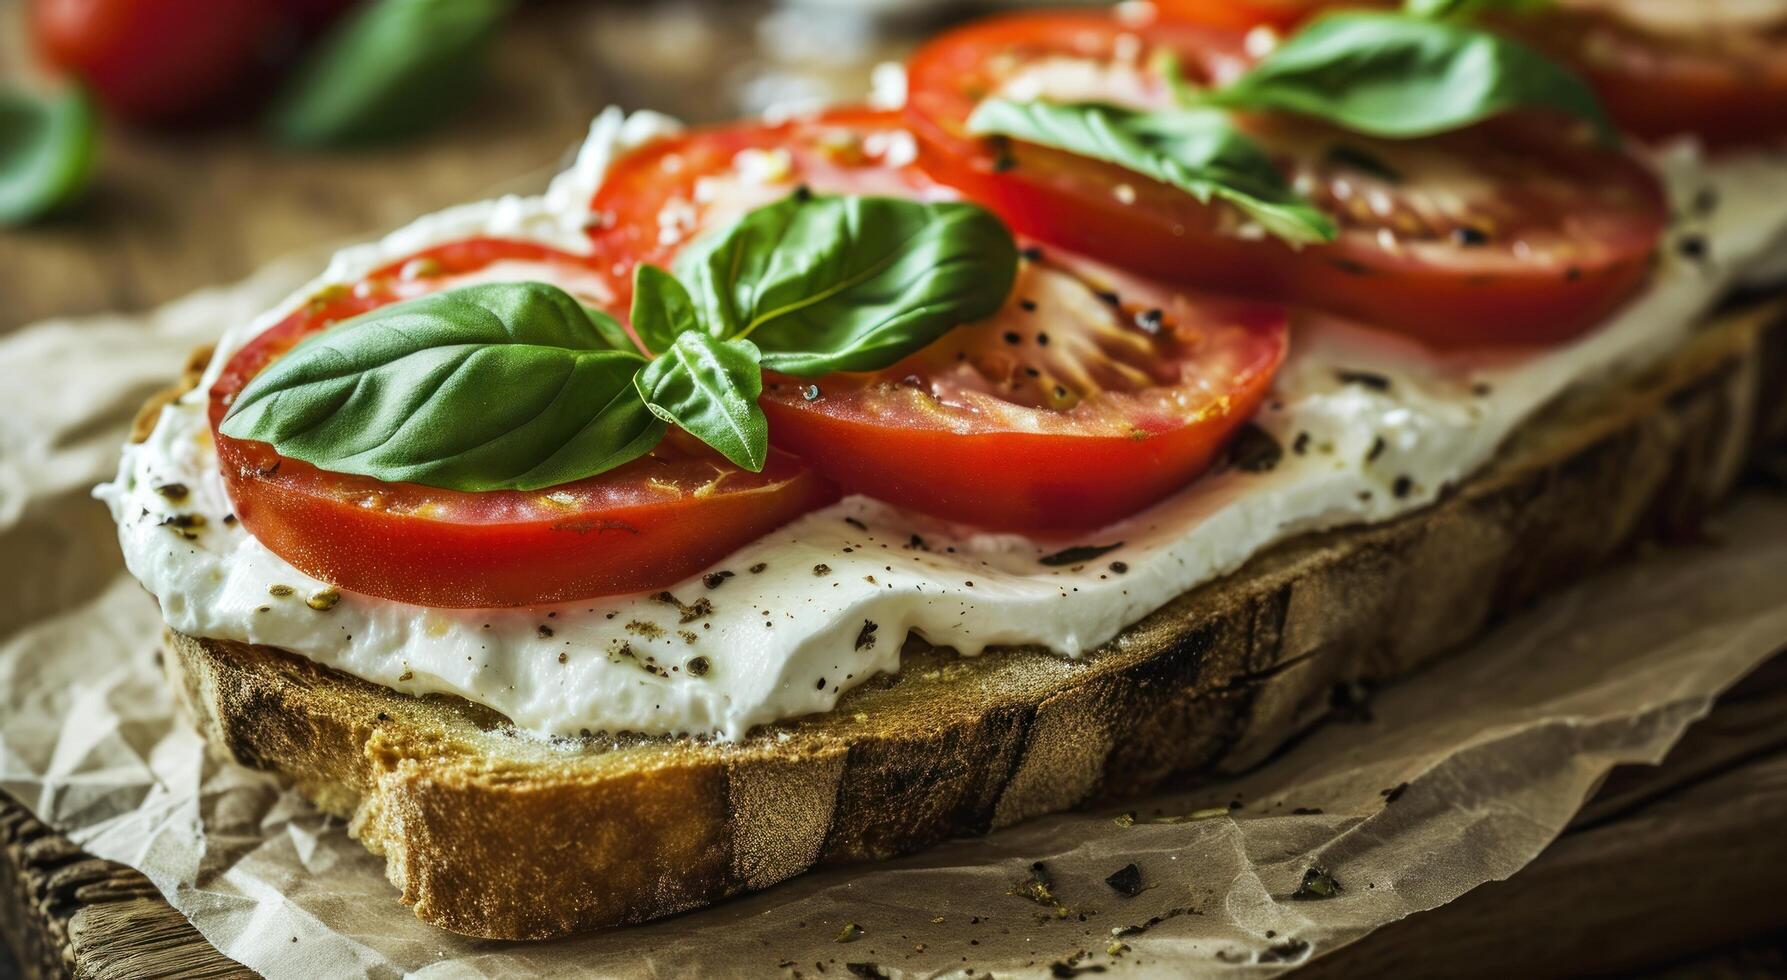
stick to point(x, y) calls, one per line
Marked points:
point(1469, 8)
point(46, 152)
point(1403, 77)
point(843, 283)
point(1392, 75)
point(1198, 151)
point(392, 69)
point(807, 286)
point(502, 386)
point(519, 386)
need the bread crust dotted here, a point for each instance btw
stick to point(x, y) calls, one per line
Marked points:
point(1212, 682)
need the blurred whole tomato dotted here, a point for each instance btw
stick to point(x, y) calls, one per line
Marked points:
point(163, 60)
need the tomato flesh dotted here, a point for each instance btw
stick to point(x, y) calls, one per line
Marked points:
point(1090, 396)
point(1031, 423)
point(156, 59)
point(1505, 233)
point(645, 525)
point(1712, 72)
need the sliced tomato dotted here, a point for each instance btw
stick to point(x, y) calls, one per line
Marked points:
point(1714, 73)
point(156, 59)
point(1088, 397)
point(1662, 69)
point(1511, 232)
point(642, 526)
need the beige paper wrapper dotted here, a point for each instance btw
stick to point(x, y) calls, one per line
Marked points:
point(1498, 745)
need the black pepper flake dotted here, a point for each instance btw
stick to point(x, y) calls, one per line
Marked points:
point(1150, 321)
point(803, 193)
point(849, 934)
point(173, 491)
point(1042, 339)
point(1706, 200)
point(821, 570)
point(918, 544)
point(688, 612)
point(810, 393)
point(698, 666)
point(1317, 884)
point(544, 631)
point(1377, 449)
point(820, 684)
point(1692, 247)
point(1028, 305)
point(714, 580)
point(1300, 445)
point(1306, 811)
point(1481, 388)
point(853, 522)
point(1402, 486)
point(1289, 951)
point(760, 566)
point(1126, 881)
point(1470, 236)
point(1108, 296)
point(1394, 793)
point(1078, 555)
point(1031, 253)
point(1369, 379)
point(866, 637)
point(563, 657)
point(229, 518)
point(1254, 450)
point(1119, 567)
point(1013, 337)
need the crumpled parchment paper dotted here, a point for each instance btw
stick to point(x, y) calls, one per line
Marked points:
point(1462, 776)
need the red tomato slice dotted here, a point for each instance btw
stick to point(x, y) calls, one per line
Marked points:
point(1501, 234)
point(1089, 397)
point(1714, 71)
point(642, 526)
point(1715, 76)
point(156, 59)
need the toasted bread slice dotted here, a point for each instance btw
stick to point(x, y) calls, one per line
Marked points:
point(630, 830)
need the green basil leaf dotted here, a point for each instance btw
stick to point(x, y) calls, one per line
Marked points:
point(710, 387)
point(824, 283)
point(1470, 8)
point(1403, 77)
point(46, 152)
point(501, 386)
point(1198, 151)
point(661, 308)
point(393, 69)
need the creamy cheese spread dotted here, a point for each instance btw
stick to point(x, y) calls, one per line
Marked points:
point(1371, 427)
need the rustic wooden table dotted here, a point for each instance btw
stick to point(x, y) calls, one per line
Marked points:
point(1665, 862)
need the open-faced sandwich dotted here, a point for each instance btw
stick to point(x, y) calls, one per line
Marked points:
point(785, 493)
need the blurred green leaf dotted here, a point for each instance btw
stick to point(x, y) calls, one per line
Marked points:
point(394, 69)
point(46, 152)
